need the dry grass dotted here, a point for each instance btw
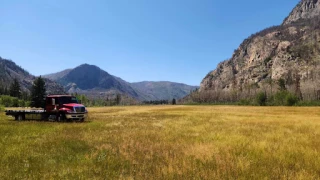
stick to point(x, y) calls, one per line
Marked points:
point(166, 142)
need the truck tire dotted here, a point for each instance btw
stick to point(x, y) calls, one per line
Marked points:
point(61, 117)
point(19, 117)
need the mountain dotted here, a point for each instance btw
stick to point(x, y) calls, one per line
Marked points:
point(91, 80)
point(290, 51)
point(306, 9)
point(56, 76)
point(95, 82)
point(163, 89)
point(9, 70)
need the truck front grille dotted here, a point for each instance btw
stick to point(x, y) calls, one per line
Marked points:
point(79, 109)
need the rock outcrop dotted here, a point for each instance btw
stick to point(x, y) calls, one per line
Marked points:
point(306, 9)
point(290, 51)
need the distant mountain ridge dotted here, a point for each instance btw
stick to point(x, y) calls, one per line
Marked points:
point(58, 75)
point(95, 82)
point(163, 89)
point(91, 80)
point(10, 70)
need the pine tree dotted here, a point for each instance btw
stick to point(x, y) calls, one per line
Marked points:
point(174, 101)
point(1, 89)
point(15, 89)
point(5, 91)
point(38, 93)
point(118, 99)
point(25, 96)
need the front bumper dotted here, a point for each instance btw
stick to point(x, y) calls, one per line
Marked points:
point(77, 116)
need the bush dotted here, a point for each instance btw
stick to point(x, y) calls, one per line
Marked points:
point(261, 99)
point(291, 99)
point(308, 103)
point(268, 59)
point(282, 84)
point(1, 108)
point(280, 98)
point(6, 101)
point(244, 102)
point(15, 102)
point(285, 98)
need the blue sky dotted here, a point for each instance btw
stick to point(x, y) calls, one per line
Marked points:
point(137, 40)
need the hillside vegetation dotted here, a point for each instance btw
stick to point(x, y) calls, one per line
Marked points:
point(166, 142)
point(10, 71)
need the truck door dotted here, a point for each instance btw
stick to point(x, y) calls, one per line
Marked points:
point(49, 106)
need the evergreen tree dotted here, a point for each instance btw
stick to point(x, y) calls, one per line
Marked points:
point(118, 99)
point(25, 96)
point(15, 89)
point(174, 102)
point(5, 91)
point(38, 93)
point(1, 89)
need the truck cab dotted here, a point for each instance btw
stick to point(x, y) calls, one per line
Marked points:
point(65, 107)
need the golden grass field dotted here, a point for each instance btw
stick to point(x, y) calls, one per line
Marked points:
point(166, 142)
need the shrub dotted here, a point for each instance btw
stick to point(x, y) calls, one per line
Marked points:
point(308, 103)
point(282, 84)
point(280, 98)
point(244, 102)
point(285, 98)
point(15, 102)
point(6, 101)
point(268, 59)
point(291, 99)
point(261, 99)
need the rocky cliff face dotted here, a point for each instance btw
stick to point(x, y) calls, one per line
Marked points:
point(304, 10)
point(290, 51)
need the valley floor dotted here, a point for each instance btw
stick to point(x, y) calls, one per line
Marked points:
point(166, 142)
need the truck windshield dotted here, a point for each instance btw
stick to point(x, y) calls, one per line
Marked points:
point(67, 100)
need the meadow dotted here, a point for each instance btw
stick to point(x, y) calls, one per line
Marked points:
point(166, 142)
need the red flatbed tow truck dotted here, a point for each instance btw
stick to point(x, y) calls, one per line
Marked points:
point(57, 108)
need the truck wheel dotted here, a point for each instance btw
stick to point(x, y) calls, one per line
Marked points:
point(19, 117)
point(61, 117)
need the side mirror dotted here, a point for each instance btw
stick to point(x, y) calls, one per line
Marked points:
point(53, 102)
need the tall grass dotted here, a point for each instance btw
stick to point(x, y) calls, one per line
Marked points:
point(166, 142)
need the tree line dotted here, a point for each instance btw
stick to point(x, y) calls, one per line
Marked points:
point(14, 96)
point(160, 102)
point(106, 101)
point(281, 92)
